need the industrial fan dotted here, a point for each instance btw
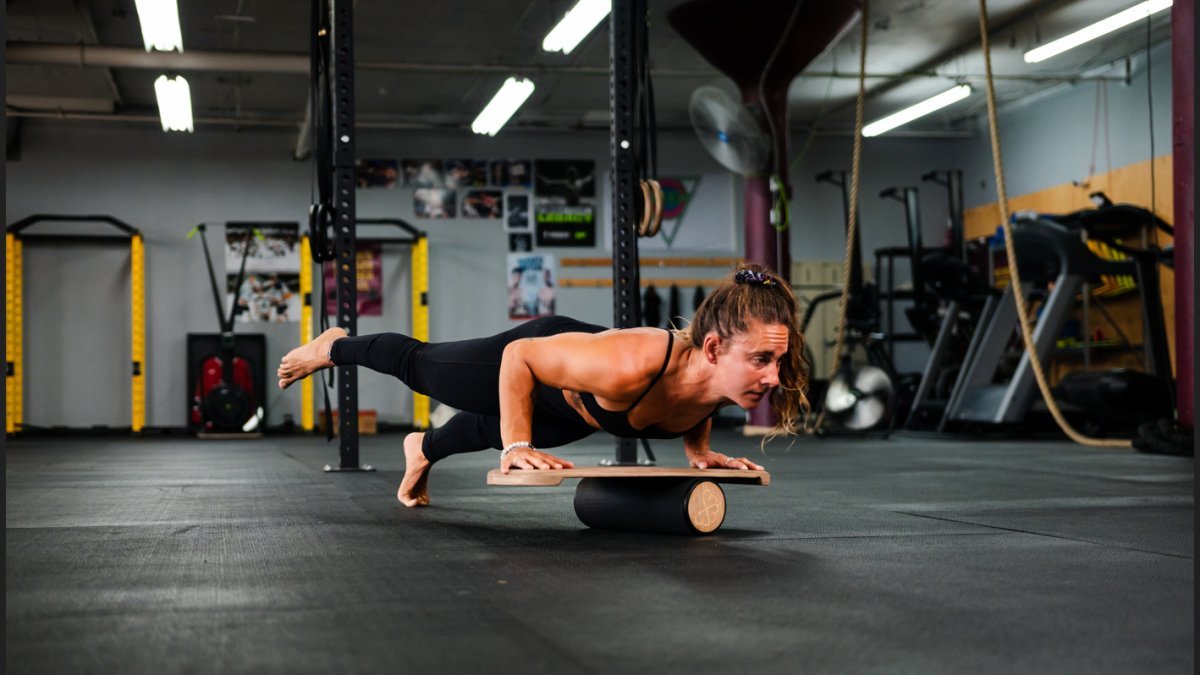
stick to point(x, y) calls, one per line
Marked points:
point(729, 132)
point(860, 398)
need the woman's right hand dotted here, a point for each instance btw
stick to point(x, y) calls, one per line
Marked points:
point(529, 458)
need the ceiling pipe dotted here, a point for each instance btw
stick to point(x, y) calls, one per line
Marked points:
point(123, 57)
point(301, 151)
point(78, 55)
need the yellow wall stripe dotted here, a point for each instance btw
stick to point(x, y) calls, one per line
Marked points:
point(420, 318)
point(12, 336)
point(306, 331)
point(137, 255)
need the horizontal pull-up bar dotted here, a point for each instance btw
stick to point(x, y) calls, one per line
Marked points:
point(76, 239)
point(25, 223)
point(402, 224)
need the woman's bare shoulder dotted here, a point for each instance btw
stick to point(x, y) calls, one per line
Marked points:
point(623, 359)
point(637, 353)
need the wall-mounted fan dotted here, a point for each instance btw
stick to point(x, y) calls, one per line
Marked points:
point(729, 131)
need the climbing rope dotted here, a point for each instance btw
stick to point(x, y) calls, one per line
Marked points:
point(852, 225)
point(1015, 276)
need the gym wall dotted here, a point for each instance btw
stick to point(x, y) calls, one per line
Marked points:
point(165, 184)
point(1047, 139)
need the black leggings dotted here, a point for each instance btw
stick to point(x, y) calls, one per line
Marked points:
point(466, 375)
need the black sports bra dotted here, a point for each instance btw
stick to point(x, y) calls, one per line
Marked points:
point(617, 423)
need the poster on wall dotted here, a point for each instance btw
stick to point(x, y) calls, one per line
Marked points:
point(698, 215)
point(517, 213)
point(265, 297)
point(267, 293)
point(369, 278)
point(488, 204)
point(422, 173)
point(434, 203)
point(532, 281)
point(466, 173)
point(377, 173)
point(520, 242)
point(565, 202)
point(510, 173)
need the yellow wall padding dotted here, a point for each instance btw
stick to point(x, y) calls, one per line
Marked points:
point(137, 259)
point(306, 331)
point(14, 335)
point(420, 318)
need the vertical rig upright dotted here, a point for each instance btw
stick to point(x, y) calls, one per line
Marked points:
point(622, 81)
point(341, 80)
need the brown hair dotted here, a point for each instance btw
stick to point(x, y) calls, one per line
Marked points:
point(754, 293)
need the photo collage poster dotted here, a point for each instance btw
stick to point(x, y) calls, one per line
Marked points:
point(269, 292)
point(451, 188)
point(542, 203)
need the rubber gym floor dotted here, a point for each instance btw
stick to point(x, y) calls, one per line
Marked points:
point(162, 555)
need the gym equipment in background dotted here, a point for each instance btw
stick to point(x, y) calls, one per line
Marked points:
point(647, 499)
point(923, 308)
point(963, 295)
point(331, 105)
point(14, 240)
point(206, 356)
point(857, 397)
point(952, 180)
point(860, 398)
point(225, 395)
point(1123, 399)
point(1056, 261)
point(960, 291)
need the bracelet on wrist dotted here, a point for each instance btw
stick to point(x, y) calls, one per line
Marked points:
point(513, 446)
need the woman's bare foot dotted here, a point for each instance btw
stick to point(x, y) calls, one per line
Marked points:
point(413, 489)
point(308, 359)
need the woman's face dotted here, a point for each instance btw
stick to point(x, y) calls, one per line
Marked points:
point(748, 362)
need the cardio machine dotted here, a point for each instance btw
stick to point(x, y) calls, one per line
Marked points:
point(1055, 263)
point(856, 398)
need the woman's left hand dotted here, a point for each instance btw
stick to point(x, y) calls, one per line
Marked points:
point(716, 460)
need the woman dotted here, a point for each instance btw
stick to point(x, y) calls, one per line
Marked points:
point(555, 380)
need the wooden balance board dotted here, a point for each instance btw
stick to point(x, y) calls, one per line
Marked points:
point(649, 499)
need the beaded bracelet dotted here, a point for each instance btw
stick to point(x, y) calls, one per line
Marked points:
point(513, 446)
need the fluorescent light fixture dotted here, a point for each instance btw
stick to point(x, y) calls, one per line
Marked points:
point(160, 24)
point(921, 109)
point(502, 106)
point(1102, 27)
point(174, 103)
point(578, 22)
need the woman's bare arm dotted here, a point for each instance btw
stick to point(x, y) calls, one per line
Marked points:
point(609, 365)
point(701, 456)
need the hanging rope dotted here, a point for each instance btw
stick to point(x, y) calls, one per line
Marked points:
point(1015, 278)
point(851, 226)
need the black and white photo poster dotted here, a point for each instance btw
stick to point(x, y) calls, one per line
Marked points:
point(565, 202)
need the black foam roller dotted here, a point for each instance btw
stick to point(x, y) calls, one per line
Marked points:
point(639, 504)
